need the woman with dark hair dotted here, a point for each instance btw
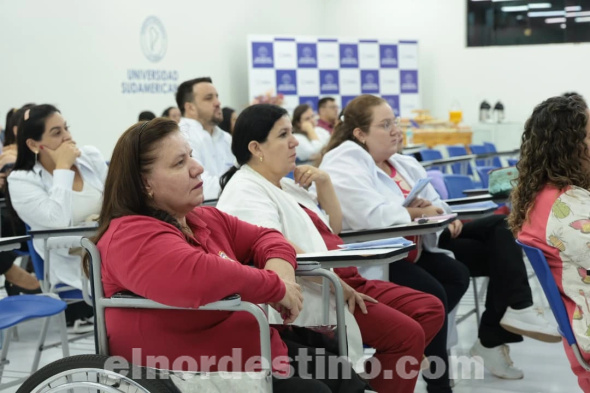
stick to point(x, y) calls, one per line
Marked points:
point(157, 242)
point(229, 120)
point(551, 206)
point(55, 184)
point(372, 181)
point(398, 322)
point(172, 113)
point(311, 138)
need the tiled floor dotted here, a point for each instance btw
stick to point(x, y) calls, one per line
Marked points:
point(545, 365)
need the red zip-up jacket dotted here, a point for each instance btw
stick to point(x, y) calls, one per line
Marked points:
point(153, 259)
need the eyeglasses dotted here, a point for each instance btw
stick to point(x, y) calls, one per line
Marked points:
point(388, 125)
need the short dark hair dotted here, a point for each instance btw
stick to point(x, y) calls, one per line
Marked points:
point(146, 116)
point(184, 93)
point(225, 124)
point(166, 112)
point(324, 101)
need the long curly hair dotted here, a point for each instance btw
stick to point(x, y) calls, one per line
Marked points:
point(553, 151)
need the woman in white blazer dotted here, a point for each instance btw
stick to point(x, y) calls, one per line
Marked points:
point(55, 184)
point(372, 181)
point(401, 321)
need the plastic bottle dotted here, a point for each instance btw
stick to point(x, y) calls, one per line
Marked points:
point(409, 136)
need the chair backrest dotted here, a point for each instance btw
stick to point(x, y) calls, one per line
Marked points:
point(455, 151)
point(456, 184)
point(491, 148)
point(432, 154)
point(478, 149)
point(541, 268)
point(35, 258)
point(437, 181)
point(484, 174)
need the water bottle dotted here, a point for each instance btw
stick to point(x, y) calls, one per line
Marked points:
point(499, 112)
point(409, 136)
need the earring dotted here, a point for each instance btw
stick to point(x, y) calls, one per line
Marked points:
point(151, 194)
point(261, 158)
point(36, 153)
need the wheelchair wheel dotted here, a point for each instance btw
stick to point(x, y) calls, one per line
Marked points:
point(95, 373)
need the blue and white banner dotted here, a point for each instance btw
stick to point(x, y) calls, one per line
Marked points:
point(304, 69)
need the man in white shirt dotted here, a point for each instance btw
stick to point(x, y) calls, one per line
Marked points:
point(199, 104)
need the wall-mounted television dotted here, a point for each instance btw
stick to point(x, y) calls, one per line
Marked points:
point(517, 22)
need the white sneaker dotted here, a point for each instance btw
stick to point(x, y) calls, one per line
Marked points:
point(530, 322)
point(81, 326)
point(496, 360)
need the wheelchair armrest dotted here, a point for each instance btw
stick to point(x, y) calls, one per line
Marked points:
point(54, 243)
point(130, 300)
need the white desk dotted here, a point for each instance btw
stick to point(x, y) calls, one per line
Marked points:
point(13, 242)
point(358, 258)
point(402, 230)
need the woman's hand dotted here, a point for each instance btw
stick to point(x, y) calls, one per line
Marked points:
point(309, 130)
point(65, 155)
point(352, 298)
point(304, 175)
point(419, 202)
point(291, 304)
point(455, 228)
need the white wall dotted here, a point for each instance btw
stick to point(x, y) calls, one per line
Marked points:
point(75, 54)
point(519, 76)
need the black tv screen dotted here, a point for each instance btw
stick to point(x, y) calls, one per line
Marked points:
point(515, 22)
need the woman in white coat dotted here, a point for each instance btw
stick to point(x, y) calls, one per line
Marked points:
point(401, 321)
point(55, 184)
point(311, 139)
point(372, 182)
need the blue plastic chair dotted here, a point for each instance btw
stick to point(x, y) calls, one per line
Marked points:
point(456, 184)
point(491, 148)
point(17, 309)
point(484, 174)
point(437, 181)
point(39, 266)
point(479, 149)
point(455, 151)
point(432, 154)
point(541, 268)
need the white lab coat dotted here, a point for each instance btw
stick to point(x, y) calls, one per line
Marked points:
point(212, 151)
point(44, 201)
point(369, 197)
point(308, 148)
point(252, 198)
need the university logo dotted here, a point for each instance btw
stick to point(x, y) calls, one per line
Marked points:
point(409, 81)
point(370, 82)
point(306, 55)
point(393, 102)
point(286, 82)
point(262, 55)
point(348, 56)
point(388, 56)
point(329, 82)
point(154, 41)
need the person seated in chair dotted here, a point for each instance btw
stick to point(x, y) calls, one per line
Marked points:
point(372, 181)
point(56, 184)
point(551, 206)
point(398, 322)
point(18, 276)
point(156, 242)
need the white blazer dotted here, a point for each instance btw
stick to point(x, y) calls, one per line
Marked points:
point(44, 201)
point(307, 148)
point(369, 197)
point(212, 151)
point(252, 198)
